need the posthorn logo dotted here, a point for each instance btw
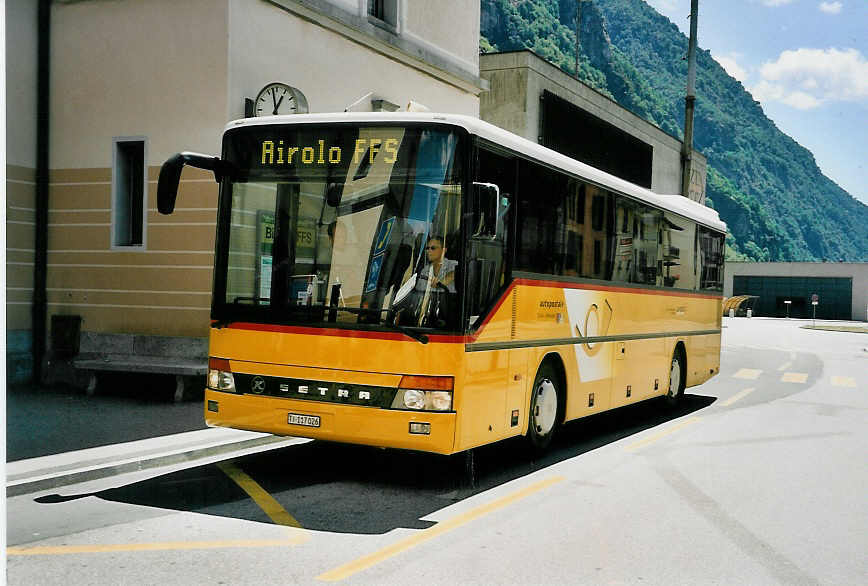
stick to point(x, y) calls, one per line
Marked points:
point(257, 385)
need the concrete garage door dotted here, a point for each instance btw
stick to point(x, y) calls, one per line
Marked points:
point(835, 295)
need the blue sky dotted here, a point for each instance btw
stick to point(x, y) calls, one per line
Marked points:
point(806, 62)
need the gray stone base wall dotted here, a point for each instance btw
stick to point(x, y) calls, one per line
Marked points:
point(19, 357)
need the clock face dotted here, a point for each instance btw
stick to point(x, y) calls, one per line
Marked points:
point(277, 99)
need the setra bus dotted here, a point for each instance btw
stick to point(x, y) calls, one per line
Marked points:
point(432, 282)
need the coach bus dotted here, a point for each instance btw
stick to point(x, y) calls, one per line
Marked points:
point(432, 282)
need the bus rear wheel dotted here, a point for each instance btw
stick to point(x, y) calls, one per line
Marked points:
point(543, 414)
point(676, 378)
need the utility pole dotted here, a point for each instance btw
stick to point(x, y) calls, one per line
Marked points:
point(689, 103)
point(39, 310)
point(578, 34)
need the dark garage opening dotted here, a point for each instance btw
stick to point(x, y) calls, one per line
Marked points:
point(576, 133)
point(834, 294)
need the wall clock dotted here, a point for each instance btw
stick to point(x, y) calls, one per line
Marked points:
point(277, 98)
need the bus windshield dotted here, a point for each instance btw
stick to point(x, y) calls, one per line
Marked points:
point(340, 225)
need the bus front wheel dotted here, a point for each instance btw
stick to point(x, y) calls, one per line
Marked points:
point(676, 378)
point(543, 415)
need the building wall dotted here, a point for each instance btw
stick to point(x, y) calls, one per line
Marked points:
point(518, 79)
point(448, 27)
point(857, 271)
point(21, 47)
point(175, 73)
point(337, 57)
point(123, 68)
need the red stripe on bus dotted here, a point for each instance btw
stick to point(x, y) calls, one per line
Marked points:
point(458, 339)
point(494, 309)
point(595, 287)
point(338, 332)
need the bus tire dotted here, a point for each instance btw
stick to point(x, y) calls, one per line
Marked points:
point(543, 414)
point(677, 376)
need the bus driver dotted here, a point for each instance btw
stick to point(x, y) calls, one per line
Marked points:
point(433, 290)
point(439, 269)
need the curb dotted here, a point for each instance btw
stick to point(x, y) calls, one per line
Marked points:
point(83, 471)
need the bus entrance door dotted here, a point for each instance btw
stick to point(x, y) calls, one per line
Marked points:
point(517, 400)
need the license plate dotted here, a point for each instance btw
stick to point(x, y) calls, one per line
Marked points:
point(306, 420)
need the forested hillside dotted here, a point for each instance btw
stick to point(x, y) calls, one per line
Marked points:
point(767, 187)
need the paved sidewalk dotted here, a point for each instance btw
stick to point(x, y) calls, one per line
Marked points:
point(46, 420)
point(57, 435)
point(35, 474)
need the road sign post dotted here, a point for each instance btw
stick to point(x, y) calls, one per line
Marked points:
point(787, 303)
point(815, 300)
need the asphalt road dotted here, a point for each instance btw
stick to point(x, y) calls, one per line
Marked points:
point(758, 478)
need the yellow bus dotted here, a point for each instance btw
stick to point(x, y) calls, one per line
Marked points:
point(432, 282)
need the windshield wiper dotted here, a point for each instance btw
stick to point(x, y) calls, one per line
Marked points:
point(418, 336)
point(255, 300)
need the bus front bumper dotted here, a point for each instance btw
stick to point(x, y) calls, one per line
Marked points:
point(353, 424)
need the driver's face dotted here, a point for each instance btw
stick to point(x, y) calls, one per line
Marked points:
point(434, 250)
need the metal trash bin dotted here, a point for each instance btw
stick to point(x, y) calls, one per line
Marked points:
point(65, 335)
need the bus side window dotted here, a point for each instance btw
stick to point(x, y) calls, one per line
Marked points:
point(486, 220)
point(487, 226)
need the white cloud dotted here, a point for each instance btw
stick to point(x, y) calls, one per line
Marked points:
point(808, 78)
point(775, 3)
point(831, 7)
point(730, 64)
point(769, 92)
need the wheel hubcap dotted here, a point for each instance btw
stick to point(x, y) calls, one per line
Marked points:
point(674, 378)
point(546, 407)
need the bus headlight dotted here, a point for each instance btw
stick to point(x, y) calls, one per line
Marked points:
point(424, 393)
point(414, 399)
point(423, 400)
point(220, 380)
point(440, 400)
point(220, 375)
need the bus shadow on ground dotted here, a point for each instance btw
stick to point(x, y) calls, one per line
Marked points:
point(360, 490)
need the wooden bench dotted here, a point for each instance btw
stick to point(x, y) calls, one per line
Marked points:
point(133, 353)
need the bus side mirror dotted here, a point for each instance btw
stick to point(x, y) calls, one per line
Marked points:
point(170, 175)
point(334, 191)
point(489, 210)
point(484, 206)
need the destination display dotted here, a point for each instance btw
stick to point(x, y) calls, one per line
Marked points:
point(275, 152)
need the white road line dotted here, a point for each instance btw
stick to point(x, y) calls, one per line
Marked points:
point(844, 381)
point(794, 377)
point(737, 396)
point(644, 442)
point(748, 373)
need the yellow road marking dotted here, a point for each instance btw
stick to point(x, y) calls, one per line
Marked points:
point(265, 501)
point(160, 546)
point(785, 366)
point(748, 373)
point(844, 381)
point(367, 561)
point(642, 443)
point(738, 396)
point(794, 377)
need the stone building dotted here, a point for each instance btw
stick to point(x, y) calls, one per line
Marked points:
point(839, 288)
point(536, 100)
point(124, 84)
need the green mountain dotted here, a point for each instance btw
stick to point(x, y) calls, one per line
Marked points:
point(776, 201)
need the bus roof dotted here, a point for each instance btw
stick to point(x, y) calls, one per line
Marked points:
point(675, 203)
